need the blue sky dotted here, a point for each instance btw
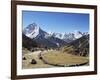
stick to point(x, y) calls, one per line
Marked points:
point(57, 21)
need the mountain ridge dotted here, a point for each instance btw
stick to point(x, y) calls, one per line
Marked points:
point(32, 30)
point(42, 37)
point(51, 40)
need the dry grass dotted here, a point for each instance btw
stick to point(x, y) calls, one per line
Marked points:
point(57, 57)
point(52, 57)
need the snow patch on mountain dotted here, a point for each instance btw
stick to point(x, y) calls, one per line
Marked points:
point(31, 30)
point(78, 34)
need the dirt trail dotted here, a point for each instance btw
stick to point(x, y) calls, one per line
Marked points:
point(34, 55)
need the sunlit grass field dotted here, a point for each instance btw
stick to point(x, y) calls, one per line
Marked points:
point(51, 58)
point(60, 58)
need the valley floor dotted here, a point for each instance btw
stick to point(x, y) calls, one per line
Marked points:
point(51, 58)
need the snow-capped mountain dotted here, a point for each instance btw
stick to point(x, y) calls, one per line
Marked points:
point(68, 37)
point(36, 33)
point(33, 31)
point(58, 35)
point(78, 34)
